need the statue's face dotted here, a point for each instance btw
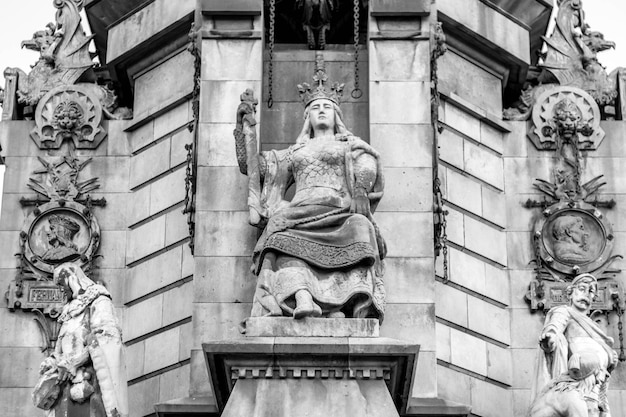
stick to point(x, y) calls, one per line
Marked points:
point(322, 114)
point(578, 233)
point(582, 296)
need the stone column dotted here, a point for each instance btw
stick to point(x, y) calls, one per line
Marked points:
point(400, 129)
point(231, 49)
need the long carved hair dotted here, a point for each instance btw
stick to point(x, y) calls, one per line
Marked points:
point(307, 130)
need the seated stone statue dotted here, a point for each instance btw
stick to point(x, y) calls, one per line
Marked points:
point(320, 254)
point(576, 355)
point(85, 376)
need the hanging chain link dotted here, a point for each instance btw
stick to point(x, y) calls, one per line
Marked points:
point(270, 71)
point(620, 328)
point(440, 222)
point(356, 92)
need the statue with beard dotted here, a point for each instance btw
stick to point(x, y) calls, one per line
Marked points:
point(571, 239)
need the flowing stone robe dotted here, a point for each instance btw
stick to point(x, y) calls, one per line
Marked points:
point(316, 241)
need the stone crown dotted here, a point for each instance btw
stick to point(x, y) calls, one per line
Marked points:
point(309, 93)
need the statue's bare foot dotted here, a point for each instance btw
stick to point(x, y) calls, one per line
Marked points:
point(336, 315)
point(305, 307)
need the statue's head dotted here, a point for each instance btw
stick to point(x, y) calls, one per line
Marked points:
point(567, 117)
point(321, 103)
point(570, 229)
point(582, 291)
point(72, 278)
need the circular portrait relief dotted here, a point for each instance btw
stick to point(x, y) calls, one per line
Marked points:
point(574, 239)
point(57, 234)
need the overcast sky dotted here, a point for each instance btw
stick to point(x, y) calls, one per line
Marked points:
point(19, 19)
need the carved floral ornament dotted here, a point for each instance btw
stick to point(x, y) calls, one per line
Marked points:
point(69, 112)
point(566, 112)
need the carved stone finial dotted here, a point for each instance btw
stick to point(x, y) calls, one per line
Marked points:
point(309, 93)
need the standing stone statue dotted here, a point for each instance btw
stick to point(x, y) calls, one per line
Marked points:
point(320, 253)
point(575, 360)
point(85, 376)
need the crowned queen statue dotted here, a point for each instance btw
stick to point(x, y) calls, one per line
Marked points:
point(320, 254)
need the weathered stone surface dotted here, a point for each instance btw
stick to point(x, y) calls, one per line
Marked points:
point(144, 24)
point(177, 303)
point(464, 192)
point(154, 273)
point(388, 102)
point(468, 352)
point(451, 304)
point(490, 400)
point(112, 249)
point(523, 366)
point(461, 121)
point(17, 402)
point(211, 285)
point(141, 137)
point(485, 240)
point(407, 190)
point(219, 99)
point(218, 321)
point(28, 360)
point(12, 216)
point(176, 72)
point(213, 179)
point(443, 342)
point(484, 165)
point(414, 323)
point(399, 61)
point(135, 357)
point(494, 206)
point(456, 226)
point(176, 227)
point(525, 328)
point(146, 239)
point(199, 378)
point(143, 395)
point(229, 59)
point(225, 233)
point(143, 317)
point(409, 280)
point(453, 385)
point(337, 398)
point(489, 320)
point(185, 343)
point(178, 154)
point(490, 24)
point(484, 90)
point(172, 120)
point(406, 234)
point(308, 327)
point(174, 384)
point(403, 145)
point(492, 138)
point(425, 377)
point(216, 146)
point(499, 361)
point(161, 350)
point(148, 164)
point(167, 191)
point(451, 149)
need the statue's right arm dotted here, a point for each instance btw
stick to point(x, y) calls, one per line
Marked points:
point(555, 325)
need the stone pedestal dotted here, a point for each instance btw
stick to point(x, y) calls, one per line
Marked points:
point(311, 327)
point(284, 376)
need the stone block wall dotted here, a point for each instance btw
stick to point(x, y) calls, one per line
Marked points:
point(473, 306)
point(159, 285)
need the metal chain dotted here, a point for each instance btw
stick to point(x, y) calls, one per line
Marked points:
point(620, 326)
point(270, 72)
point(356, 92)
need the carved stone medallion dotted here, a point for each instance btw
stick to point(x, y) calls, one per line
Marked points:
point(69, 112)
point(58, 232)
point(562, 108)
point(574, 238)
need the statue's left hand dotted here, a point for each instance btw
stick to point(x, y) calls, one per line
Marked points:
point(360, 202)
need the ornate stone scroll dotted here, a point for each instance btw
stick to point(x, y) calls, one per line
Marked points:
point(69, 112)
point(572, 235)
point(60, 229)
